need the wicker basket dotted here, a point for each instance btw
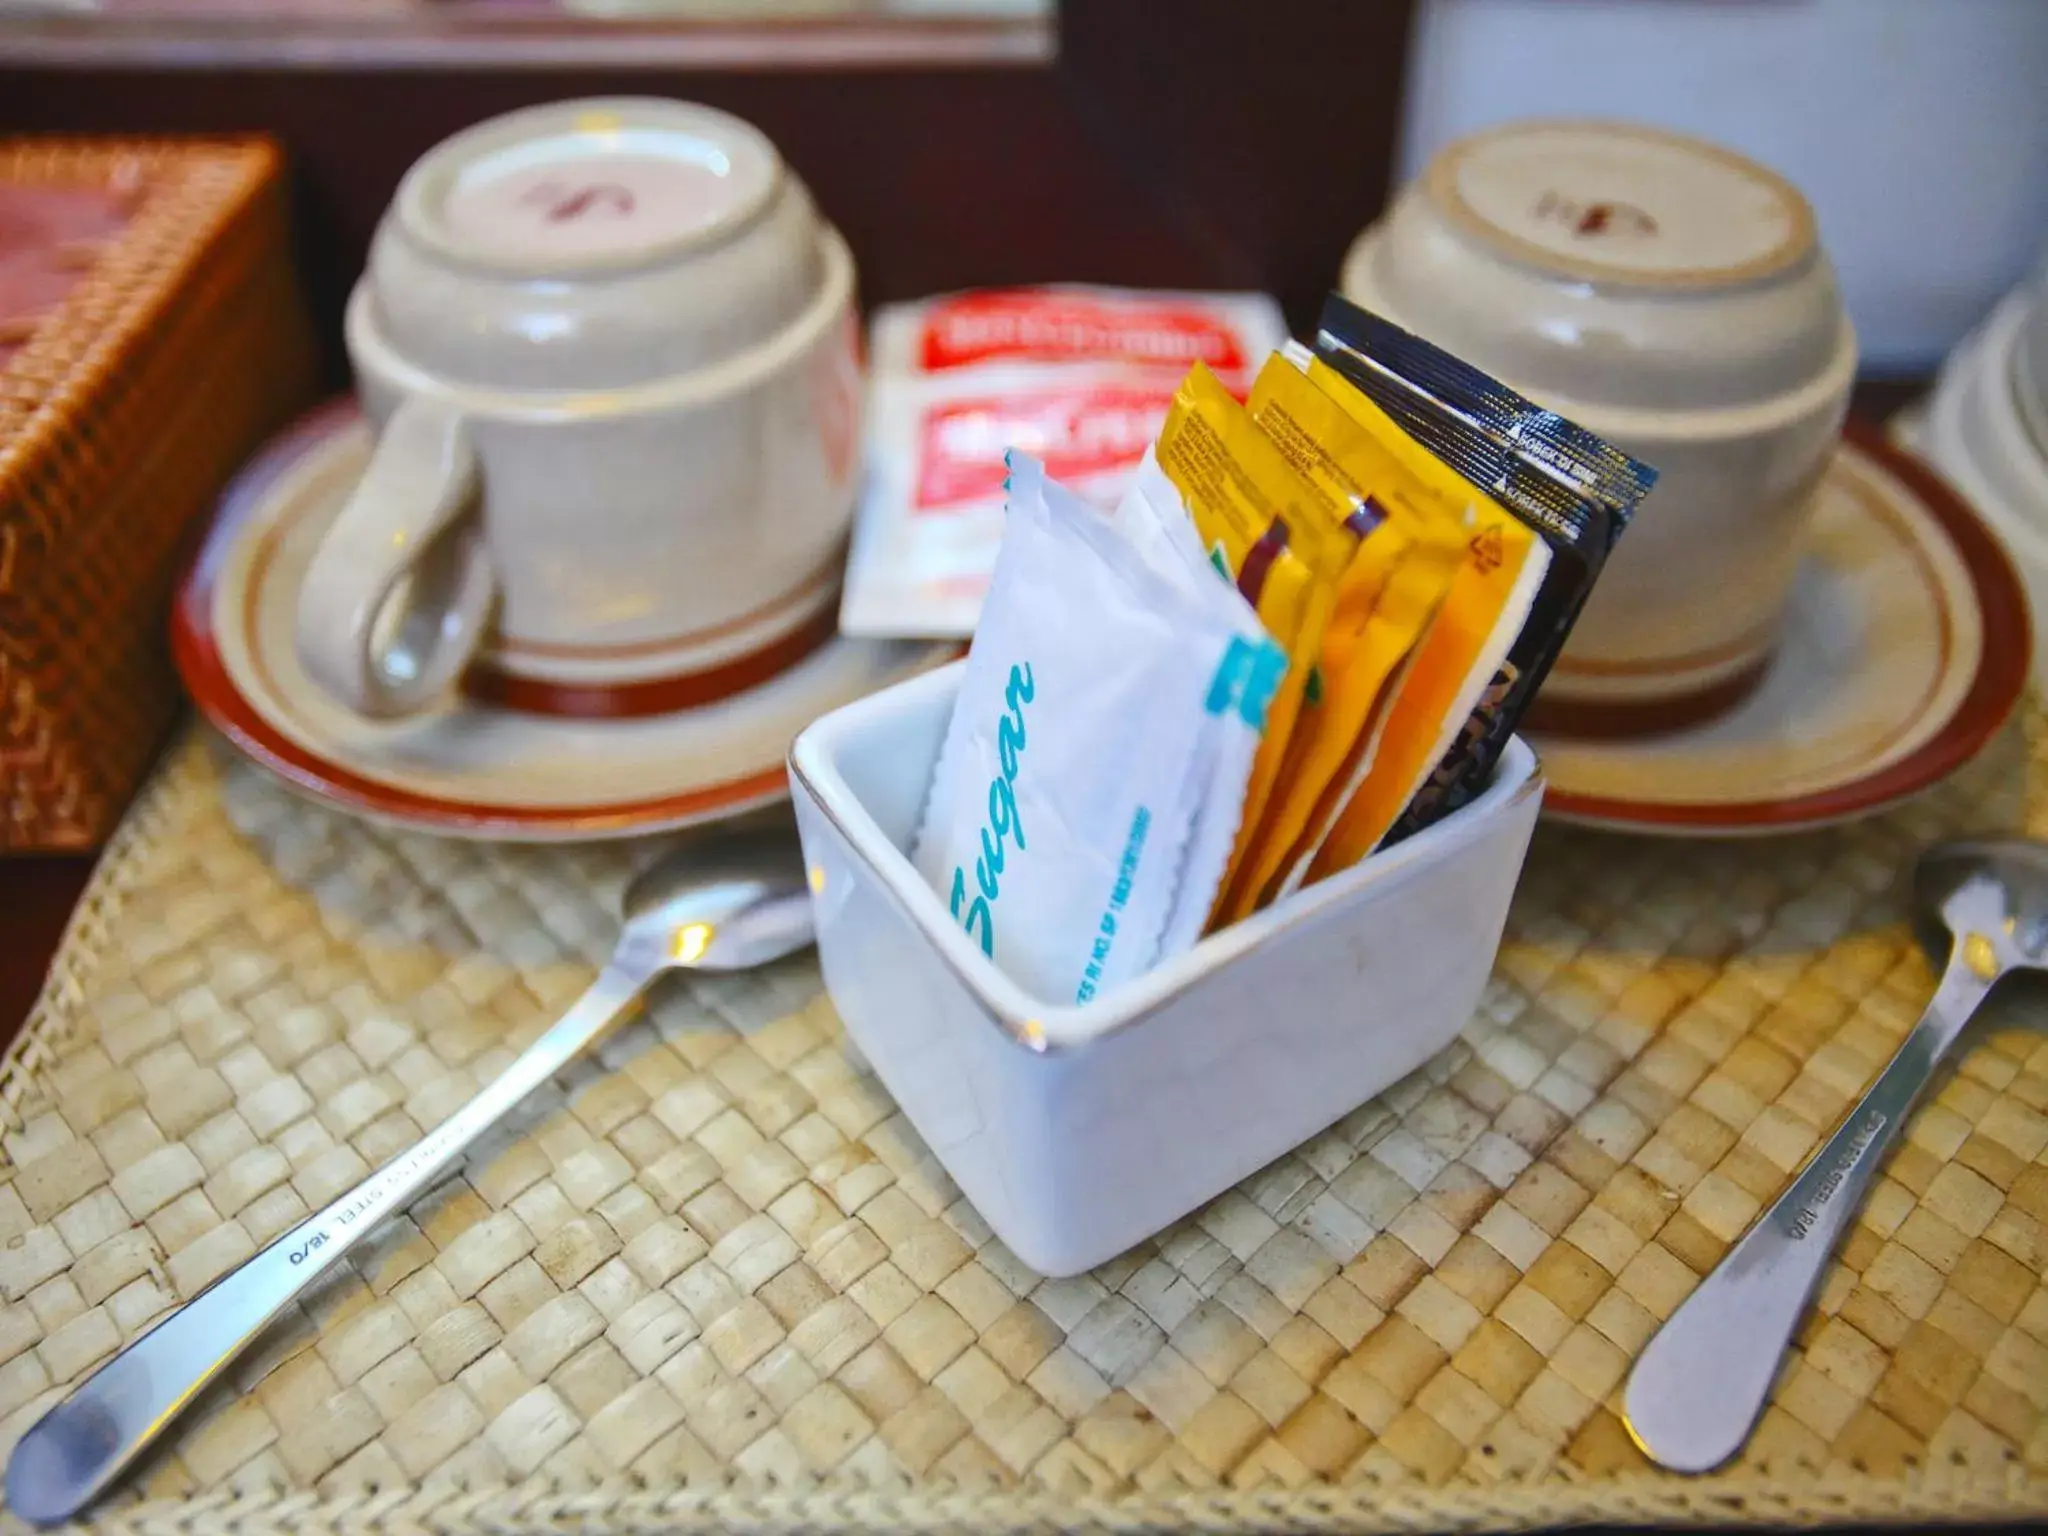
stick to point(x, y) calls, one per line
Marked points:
point(124, 407)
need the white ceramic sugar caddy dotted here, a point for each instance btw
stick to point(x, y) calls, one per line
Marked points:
point(1078, 1132)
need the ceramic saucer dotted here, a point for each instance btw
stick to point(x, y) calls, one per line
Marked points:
point(1974, 428)
point(468, 769)
point(1905, 648)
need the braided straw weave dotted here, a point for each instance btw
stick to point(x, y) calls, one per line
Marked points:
point(712, 1279)
point(126, 409)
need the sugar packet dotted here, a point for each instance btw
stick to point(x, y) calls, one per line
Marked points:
point(1105, 727)
point(1408, 528)
point(1444, 687)
point(1079, 377)
point(1154, 518)
point(1267, 530)
point(1075, 324)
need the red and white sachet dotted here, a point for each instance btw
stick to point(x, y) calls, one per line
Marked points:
point(1078, 377)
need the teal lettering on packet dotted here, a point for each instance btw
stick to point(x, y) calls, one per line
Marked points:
point(1003, 826)
point(1246, 680)
point(1119, 898)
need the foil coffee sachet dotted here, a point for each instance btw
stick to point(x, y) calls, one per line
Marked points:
point(1574, 489)
point(1099, 749)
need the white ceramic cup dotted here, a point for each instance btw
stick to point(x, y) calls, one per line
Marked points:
point(1672, 297)
point(613, 359)
point(1974, 430)
point(2030, 360)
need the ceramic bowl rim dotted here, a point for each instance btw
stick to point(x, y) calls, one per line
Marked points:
point(441, 166)
point(372, 351)
point(1758, 416)
point(1979, 374)
point(1438, 183)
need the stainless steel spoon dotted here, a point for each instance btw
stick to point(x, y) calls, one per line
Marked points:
point(1700, 1385)
point(720, 902)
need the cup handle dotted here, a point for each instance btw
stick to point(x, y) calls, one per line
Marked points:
point(396, 598)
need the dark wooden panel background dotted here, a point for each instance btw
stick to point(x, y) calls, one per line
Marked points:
point(1210, 143)
point(1207, 143)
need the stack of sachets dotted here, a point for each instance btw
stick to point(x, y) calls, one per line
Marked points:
point(1311, 624)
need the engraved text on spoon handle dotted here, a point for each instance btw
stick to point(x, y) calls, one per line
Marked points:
point(76, 1449)
point(1704, 1378)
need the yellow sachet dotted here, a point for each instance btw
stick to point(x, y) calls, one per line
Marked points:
point(1409, 532)
point(1266, 527)
point(1488, 602)
point(1482, 613)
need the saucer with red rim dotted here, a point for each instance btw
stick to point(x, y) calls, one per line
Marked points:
point(468, 768)
point(1903, 652)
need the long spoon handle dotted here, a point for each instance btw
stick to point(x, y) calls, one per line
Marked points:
point(76, 1449)
point(1703, 1380)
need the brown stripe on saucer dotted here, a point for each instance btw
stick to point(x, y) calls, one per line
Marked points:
point(1999, 683)
point(1604, 721)
point(654, 696)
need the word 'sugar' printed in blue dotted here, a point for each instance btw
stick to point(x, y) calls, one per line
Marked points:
point(1003, 825)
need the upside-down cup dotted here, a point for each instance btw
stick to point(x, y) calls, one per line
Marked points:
point(611, 352)
point(1673, 297)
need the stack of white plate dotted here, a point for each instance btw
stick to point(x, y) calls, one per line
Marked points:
point(1986, 429)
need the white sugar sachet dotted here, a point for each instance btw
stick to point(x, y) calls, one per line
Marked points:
point(1107, 713)
point(1153, 517)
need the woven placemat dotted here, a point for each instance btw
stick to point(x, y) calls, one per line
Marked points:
point(713, 1279)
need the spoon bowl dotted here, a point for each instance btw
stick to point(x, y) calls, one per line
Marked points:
point(1981, 908)
point(718, 901)
point(2020, 868)
point(721, 900)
